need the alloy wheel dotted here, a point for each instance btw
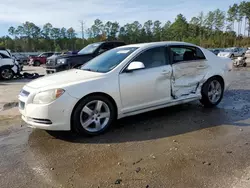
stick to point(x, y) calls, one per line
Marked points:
point(214, 91)
point(6, 74)
point(95, 116)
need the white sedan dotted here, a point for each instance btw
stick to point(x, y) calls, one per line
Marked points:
point(122, 82)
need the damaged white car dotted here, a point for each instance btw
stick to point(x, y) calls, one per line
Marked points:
point(122, 82)
point(9, 67)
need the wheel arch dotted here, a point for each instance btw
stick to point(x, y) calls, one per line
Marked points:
point(6, 66)
point(218, 77)
point(94, 94)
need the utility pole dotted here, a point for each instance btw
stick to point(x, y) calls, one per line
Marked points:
point(82, 29)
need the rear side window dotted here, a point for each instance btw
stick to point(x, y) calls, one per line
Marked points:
point(199, 54)
point(185, 53)
point(107, 46)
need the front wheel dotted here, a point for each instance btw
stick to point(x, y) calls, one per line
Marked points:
point(212, 92)
point(245, 64)
point(93, 115)
point(6, 73)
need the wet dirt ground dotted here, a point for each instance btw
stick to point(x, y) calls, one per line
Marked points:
point(182, 146)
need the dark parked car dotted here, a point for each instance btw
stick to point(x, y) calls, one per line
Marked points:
point(21, 58)
point(69, 61)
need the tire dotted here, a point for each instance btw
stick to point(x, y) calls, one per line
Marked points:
point(86, 115)
point(212, 96)
point(37, 63)
point(245, 64)
point(6, 73)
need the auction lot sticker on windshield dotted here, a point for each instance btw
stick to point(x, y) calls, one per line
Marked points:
point(123, 51)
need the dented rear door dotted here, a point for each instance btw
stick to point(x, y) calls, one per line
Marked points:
point(189, 69)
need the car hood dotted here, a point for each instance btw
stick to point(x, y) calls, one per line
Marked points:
point(64, 78)
point(72, 56)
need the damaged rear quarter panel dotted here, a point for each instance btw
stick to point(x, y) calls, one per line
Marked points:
point(218, 66)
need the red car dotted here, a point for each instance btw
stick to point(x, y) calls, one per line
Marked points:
point(40, 59)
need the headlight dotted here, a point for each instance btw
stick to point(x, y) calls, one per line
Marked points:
point(61, 61)
point(48, 96)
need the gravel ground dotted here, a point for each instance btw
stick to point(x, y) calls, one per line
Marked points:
point(10, 89)
point(182, 146)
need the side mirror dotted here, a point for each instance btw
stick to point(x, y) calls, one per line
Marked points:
point(135, 65)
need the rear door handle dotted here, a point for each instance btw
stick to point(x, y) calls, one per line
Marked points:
point(165, 72)
point(201, 67)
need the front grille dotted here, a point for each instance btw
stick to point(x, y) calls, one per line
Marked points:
point(24, 93)
point(51, 62)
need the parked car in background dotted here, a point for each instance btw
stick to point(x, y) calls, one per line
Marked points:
point(215, 51)
point(247, 54)
point(69, 61)
point(124, 81)
point(244, 50)
point(240, 61)
point(9, 67)
point(231, 53)
point(21, 58)
point(40, 59)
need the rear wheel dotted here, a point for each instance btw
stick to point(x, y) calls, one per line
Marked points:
point(93, 115)
point(212, 92)
point(6, 73)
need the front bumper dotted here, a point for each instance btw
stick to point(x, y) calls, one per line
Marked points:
point(53, 116)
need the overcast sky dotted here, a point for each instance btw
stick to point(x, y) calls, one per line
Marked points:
point(67, 13)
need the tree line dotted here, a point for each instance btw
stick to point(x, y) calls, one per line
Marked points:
point(214, 29)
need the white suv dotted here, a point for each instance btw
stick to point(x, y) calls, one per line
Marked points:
point(9, 67)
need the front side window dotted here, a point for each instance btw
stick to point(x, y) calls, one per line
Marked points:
point(106, 47)
point(153, 57)
point(108, 60)
point(185, 53)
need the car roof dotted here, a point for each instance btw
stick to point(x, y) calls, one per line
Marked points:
point(108, 42)
point(152, 44)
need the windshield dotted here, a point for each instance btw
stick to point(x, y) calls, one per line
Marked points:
point(108, 60)
point(89, 49)
point(229, 50)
